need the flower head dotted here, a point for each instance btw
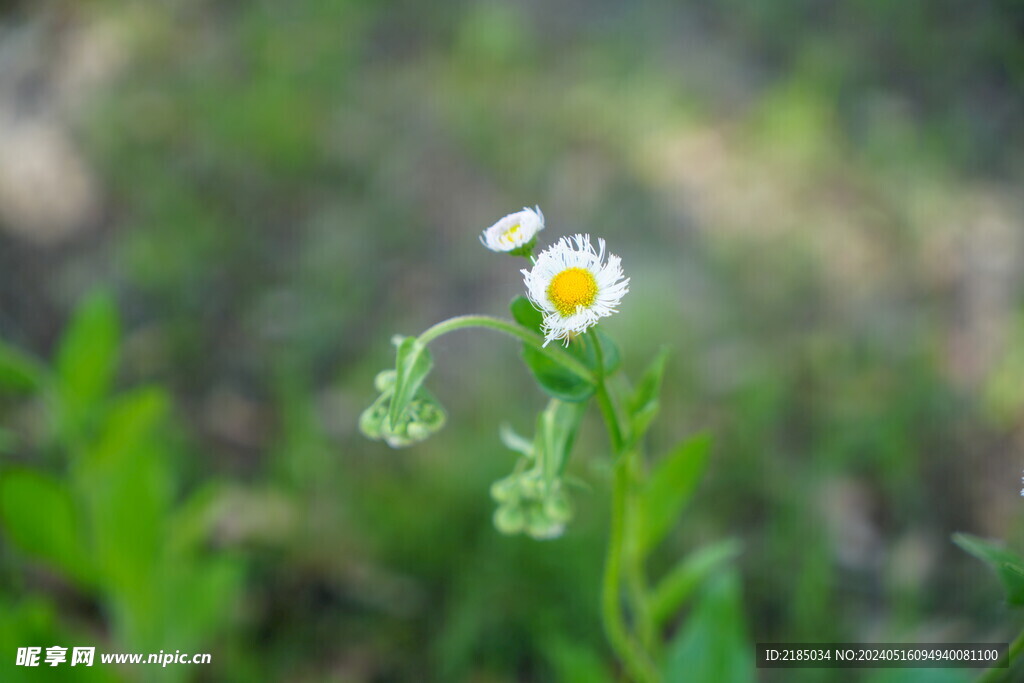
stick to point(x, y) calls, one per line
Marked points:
point(530, 503)
point(515, 233)
point(574, 286)
point(423, 416)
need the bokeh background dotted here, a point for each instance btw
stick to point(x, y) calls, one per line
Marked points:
point(820, 207)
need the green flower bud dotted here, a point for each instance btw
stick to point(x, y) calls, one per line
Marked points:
point(384, 380)
point(371, 421)
point(541, 527)
point(423, 416)
point(557, 507)
point(509, 519)
point(505, 490)
point(529, 503)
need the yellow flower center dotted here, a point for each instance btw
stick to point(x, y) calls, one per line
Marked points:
point(510, 234)
point(571, 289)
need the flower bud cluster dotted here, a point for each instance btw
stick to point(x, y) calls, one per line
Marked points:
point(423, 417)
point(530, 503)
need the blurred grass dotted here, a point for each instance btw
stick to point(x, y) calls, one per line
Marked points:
point(818, 208)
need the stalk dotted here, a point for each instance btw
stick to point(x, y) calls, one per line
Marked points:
point(514, 330)
point(631, 651)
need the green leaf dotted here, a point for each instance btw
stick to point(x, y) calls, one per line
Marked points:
point(643, 405)
point(669, 488)
point(514, 441)
point(524, 313)
point(582, 347)
point(19, 372)
point(131, 420)
point(40, 517)
point(649, 386)
point(610, 351)
point(412, 364)
point(127, 485)
point(555, 379)
point(556, 431)
point(713, 646)
point(87, 358)
point(1009, 566)
point(129, 499)
point(679, 584)
point(574, 662)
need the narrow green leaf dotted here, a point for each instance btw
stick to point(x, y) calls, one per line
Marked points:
point(129, 498)
point(649, 386)
point(669, 488)
point(40, 517)
point(514, 441)
point(682, 580)
point(190, 523)
point(574, 662)
point(131, 421)
point(87, 358)
point(412, 365)
point(713, 646)
point(643, 405)
point(556, 432)
point(554, 379)
point(641, 421)
point(1008, 566)
point(524, 313)
point(19, 372)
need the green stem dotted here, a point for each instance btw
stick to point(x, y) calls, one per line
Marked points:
point(521, 333)
point(629, 650)
point(999, 673)
point(611, 608)
point(636, 576)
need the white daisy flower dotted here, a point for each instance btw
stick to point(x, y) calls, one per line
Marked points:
point(515, 232)
point(574, 286)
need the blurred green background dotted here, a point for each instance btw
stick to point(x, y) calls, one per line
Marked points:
point(215, 213)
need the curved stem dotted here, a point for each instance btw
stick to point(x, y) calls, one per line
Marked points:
point(611, 609)
point(998, 673)
point(636, 576)
point(631, 652)
point(521, 333)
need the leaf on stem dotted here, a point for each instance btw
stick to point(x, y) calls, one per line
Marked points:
point(713, 646)
point(669, 488)
point(556, 432)
point(524, 313)
point(680, 583)
point(87, 358)
point(514, 441)
point(581, 348)
point(40, 517)
point(1008, 566)
point(19, 372)
point(412, 364)
point(555, 379)
point(643, 405)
